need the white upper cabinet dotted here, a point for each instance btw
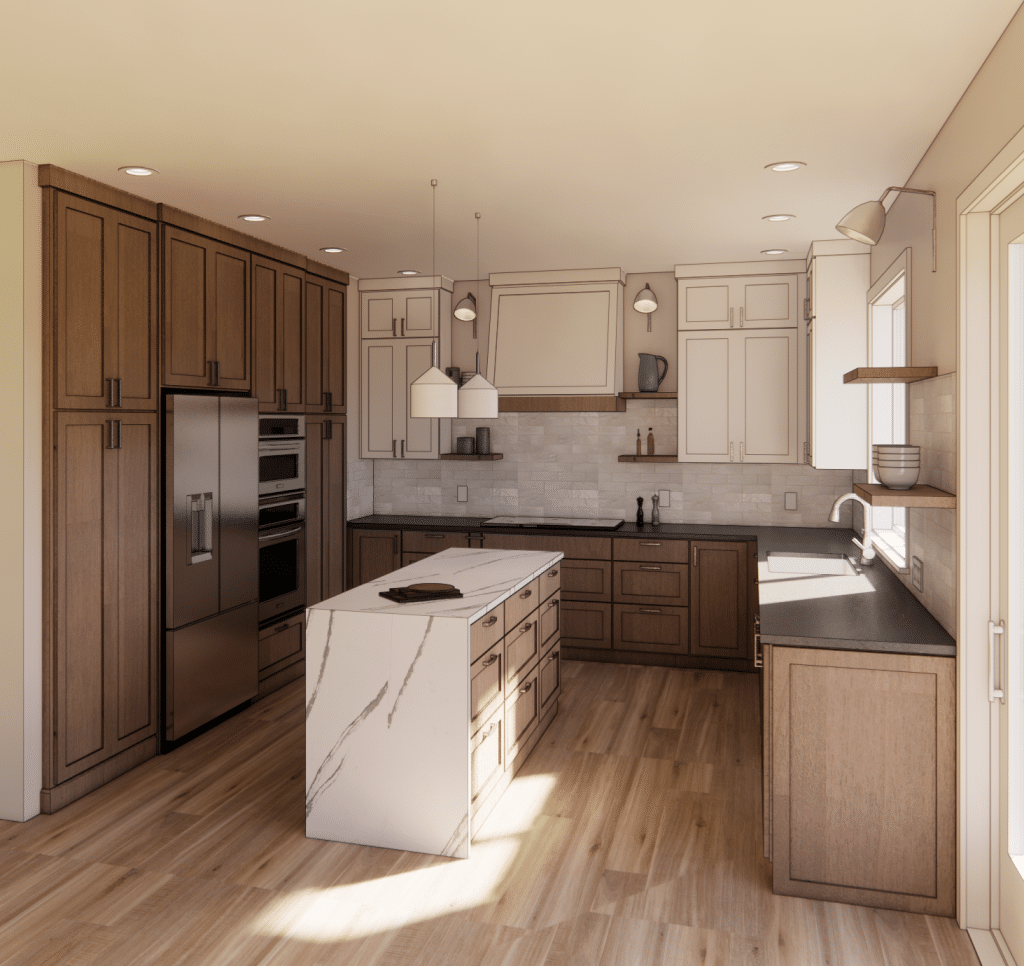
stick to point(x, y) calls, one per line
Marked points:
point(403, 308)
point(745, 302)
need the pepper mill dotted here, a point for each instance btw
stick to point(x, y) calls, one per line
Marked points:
point(639, 511)
point(655, 515)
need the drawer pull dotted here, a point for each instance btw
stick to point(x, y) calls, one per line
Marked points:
point(490, 660)
point(434, 536)
point(642, 544)
point(642, 567)
point(490, 731)
point(649, 610)
point(525, 594)
point(553, 603)
point(526, 627)
point(529, 684)
point(281, 627)
point(553, 573)
point(491, 621)
point(554, 656)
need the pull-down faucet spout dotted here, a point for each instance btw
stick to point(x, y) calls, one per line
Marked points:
point(867, 556)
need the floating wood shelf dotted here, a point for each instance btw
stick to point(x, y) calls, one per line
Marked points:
point(561, 404)
point(867, 374)
point(668, 458)
point(648, 395)
point(916, 496)
point(472, 456)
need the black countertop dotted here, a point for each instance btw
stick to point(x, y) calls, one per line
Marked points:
point(873, 612)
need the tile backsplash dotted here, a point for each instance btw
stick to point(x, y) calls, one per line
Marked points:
point(566, 464)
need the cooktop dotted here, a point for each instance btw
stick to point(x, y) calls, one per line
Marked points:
point(556, 523)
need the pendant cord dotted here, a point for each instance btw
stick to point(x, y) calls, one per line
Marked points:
point(433, 227)
point(477, 281)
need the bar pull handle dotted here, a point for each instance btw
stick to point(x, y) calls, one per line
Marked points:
point(119, 404)
point(403, 449)
point(394, 544)
point(642, 567)
point(642, 544)
point(280, 400)
point(490, 731)
point(995, 656)
point(403, 327)
point(329, 429)
point(394, 446)
point(649, 610)
point(731, 324)
point(330, 402)
point(491, 621)
point(284, 392)
point(200, 511)
point(695, 556)
point(758, 652)
point(490, 660)
point(731, 460)
point(741, 452)
point(110, 445)
point(741, 317)
point(111, 395)
point(119, 439)
point(434, 536)
point(394, 322)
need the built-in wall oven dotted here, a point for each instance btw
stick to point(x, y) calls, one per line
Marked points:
point(282, 454)
point(282, 552)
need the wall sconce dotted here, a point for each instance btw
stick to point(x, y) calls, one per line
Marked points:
point(646, 302)
point(465, 311)
point(866, 222)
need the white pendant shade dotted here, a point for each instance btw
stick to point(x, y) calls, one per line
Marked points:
point(478, 399)
point(645, 302)
point(433, 396)
point(465, 311)
point(865, 223)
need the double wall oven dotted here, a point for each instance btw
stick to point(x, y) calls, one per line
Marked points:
point(282, 515)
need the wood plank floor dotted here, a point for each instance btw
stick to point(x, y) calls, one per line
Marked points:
point(631, 836)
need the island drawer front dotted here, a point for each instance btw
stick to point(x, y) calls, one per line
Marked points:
point(550, 581)
point(550, 676)
point(419, 541)
point(587, 579)
point(586, 624)
point(487, 756)
point(522, 712)
point(651, 583)
point(522, 603)
point(486, 631)
point(663, 630)
point(599, 548)
point(280, 641)
point(486, 685)
point(522, 648)
point(666, 551)
point(548, 617)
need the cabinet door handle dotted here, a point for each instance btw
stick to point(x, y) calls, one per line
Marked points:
point(730, 453)
point(119, 446)
point(741, 452)
point(434, 536)
point(553, 656)
point(529, 684)
point(328, 429)
point(111, 395)
point(526, 593)
point(695, 556)
point(490, 731)
point(491, 621)
point(758, 652)
point(281, 627)
point(403, 449)
point(731, 325)
point(527, 626)
point(741, 317)
point(119, 404)
point(553, 603)
point(394, 322)
point(110, 445)
point(403, 327)
point(642, 544)
point(642, 567)
point(284, 392)
point(995, 656)
point(490, 660)
point(553, 573)
point(394, 544)
point(649, 610)
point(394, 446)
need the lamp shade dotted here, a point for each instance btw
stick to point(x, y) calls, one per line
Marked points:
point(865, 223)
point(433, 396)
point(465, 311)
point(645, 301)
point(478, 399)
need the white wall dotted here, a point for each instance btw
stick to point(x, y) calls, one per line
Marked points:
point(21, 686)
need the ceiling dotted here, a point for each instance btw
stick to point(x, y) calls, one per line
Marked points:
point(588, 134)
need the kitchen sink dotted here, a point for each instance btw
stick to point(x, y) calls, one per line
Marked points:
point(791, 562)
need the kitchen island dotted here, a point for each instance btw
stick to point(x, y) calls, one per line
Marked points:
point(391, 705)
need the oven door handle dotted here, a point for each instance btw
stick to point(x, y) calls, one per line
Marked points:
point(282, 533)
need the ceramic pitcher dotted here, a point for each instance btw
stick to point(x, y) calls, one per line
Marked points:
point(647, 378)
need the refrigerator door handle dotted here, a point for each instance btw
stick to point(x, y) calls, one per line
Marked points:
point(200, 512)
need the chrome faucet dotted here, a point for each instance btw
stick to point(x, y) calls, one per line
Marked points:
point(867, 556)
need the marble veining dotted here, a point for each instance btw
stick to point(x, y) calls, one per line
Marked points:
point(376, 776)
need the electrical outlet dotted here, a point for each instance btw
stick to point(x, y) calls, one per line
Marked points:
point(917, 574)
point(463, 494)
point(790, 501)
point(664, 498)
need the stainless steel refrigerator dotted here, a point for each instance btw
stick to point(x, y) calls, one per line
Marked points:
point(211, 584)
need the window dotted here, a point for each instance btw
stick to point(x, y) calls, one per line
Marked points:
point(887, 408)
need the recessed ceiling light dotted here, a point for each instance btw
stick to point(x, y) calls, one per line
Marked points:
point(254, 217)
point(138, 170)
point(407, 271)
point(786, 165)
point(333, 251)
point(774, 251)
point(777, 217)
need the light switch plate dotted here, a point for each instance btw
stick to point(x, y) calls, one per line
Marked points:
point(463, 494)
point(917, 574)
point(664, 497)
point(790, 501)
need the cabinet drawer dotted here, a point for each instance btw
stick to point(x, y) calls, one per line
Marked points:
point(486, 631)
point(487, 756)
point(664, 630)
point(651, 583)
point(522, 713)
point(486, 685)
point(593, 548)
point(419, 541)
point(548, 618)
point(522, 648)
point(550, 581)
point(669, 551)
point(550, 676)
point(521, 603)
point(587, 579)
point(586, 624)
point(280, 641)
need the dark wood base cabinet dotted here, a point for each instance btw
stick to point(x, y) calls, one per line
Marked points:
point(372, 554)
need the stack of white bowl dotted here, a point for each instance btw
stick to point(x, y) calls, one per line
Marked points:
point(896, 465)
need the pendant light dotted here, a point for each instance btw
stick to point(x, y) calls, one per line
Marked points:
point(866, 222)
point(433, 395)
point(478, 399)
point(465, 311)
point(646, 302)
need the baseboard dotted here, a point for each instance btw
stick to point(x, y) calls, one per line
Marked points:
point(990, 947)
point(53, 799)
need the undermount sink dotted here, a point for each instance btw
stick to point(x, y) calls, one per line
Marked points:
point(792, 562)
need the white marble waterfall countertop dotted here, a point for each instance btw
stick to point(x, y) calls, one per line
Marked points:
point(388, 703)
